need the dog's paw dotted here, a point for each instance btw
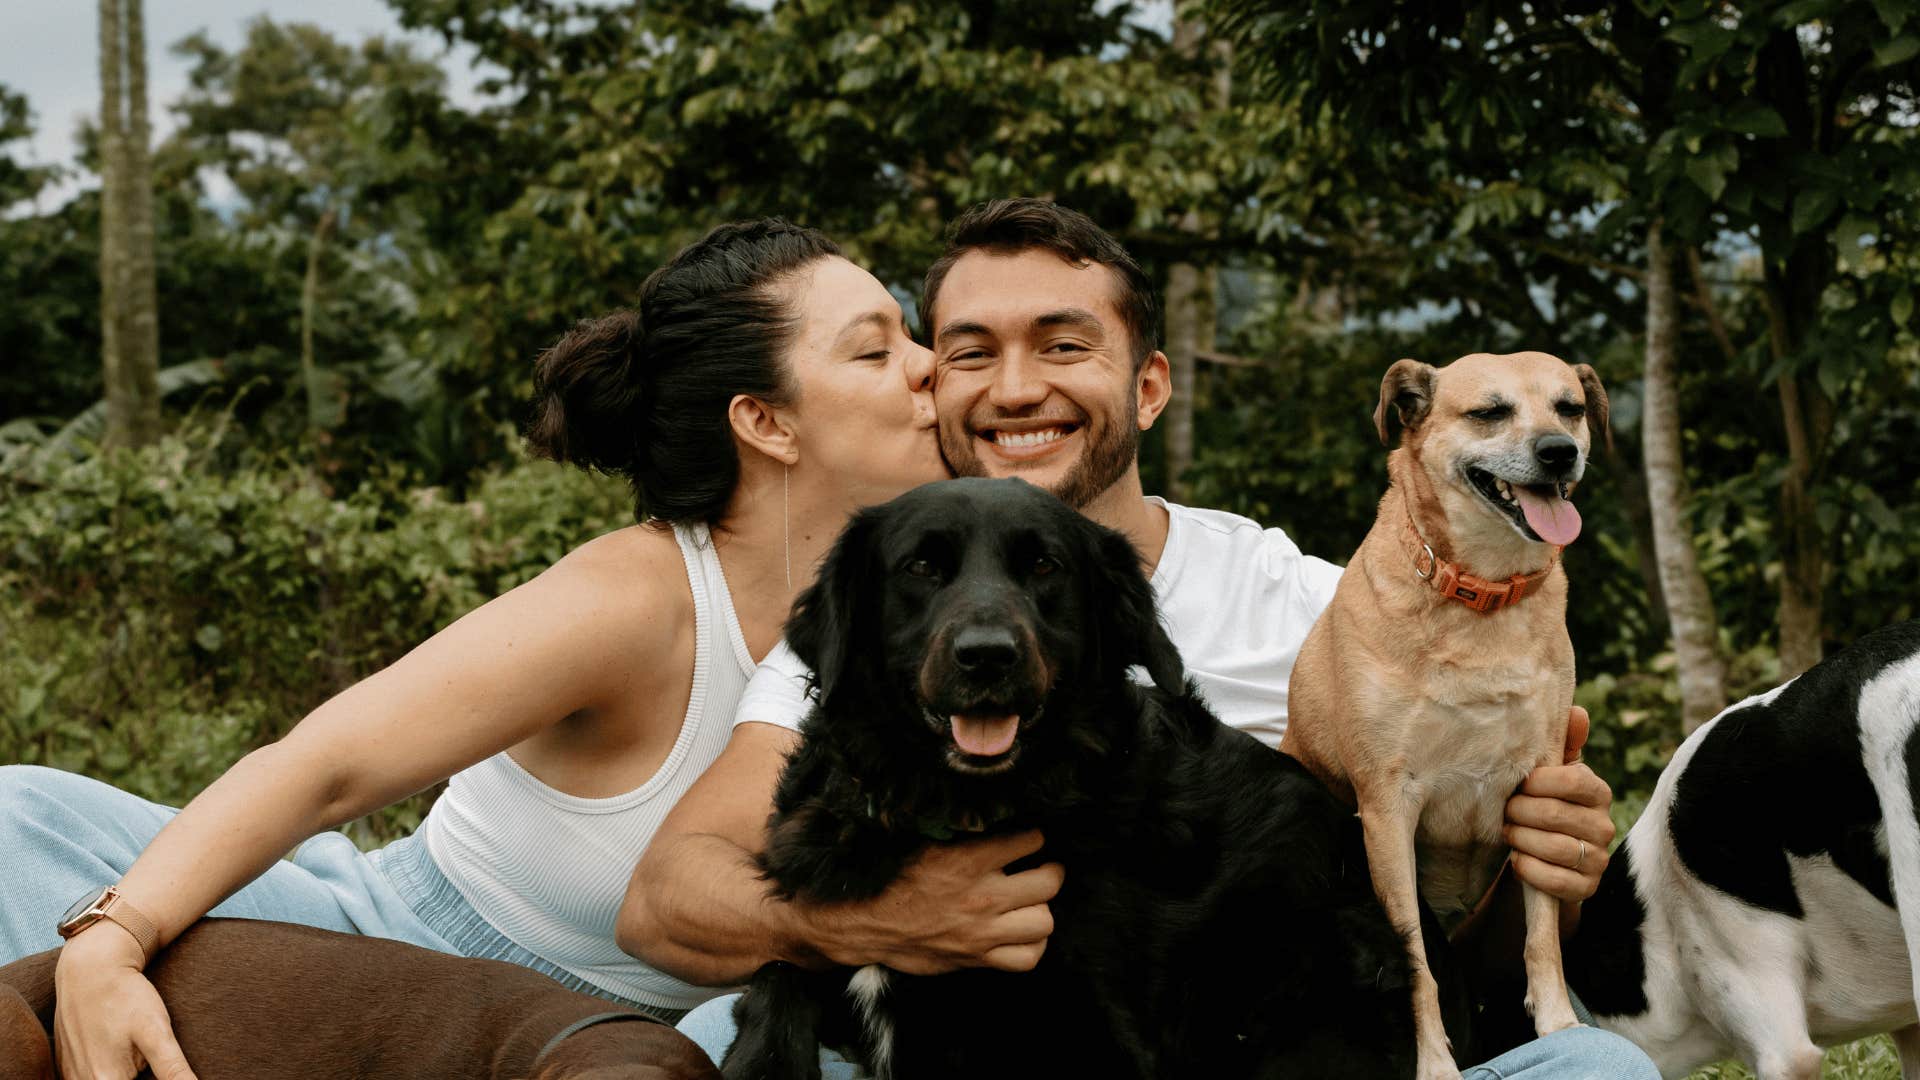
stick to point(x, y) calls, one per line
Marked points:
point(1555, 1014)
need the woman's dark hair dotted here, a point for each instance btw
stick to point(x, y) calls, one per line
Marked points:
point(1011, 226)
point(643, 392)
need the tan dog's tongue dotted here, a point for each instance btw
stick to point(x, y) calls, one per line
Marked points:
point(985, 736)
point(1552, 517)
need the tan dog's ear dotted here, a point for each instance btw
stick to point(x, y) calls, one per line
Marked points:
point(1596, 405)
point(1408, 387)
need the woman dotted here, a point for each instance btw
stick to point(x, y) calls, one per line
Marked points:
point(764, 388)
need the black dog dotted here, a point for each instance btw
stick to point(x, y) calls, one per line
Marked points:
point(972, 642)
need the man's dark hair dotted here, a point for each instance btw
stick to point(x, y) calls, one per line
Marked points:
point(1010, 226)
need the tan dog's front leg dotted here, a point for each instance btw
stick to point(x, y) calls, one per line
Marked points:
point(1390, 816)
point(1547, 1000)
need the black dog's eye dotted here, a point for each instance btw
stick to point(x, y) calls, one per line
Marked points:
point(1043, 566)
point(1569, 410)
point(922, 568)
point(1491, 413)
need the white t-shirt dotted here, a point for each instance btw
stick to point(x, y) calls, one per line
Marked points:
point(1237, 600)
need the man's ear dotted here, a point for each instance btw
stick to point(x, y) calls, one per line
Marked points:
point(830, 611)
point(1597, 426)
point(1408, 389)
point(764, 428)
point(1130, 625)
point(1152, 389)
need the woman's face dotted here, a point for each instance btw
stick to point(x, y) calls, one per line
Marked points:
point(864, 408)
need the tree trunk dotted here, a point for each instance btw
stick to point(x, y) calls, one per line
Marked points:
point(129, 321)
point(1806, 417)
point(1690, 615)
point(143, 314)
point(1185, 283)
point(113, 274)
point(1190, 307)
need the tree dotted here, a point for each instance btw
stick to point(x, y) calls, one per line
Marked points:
point(1773, 125)
point(129, 315)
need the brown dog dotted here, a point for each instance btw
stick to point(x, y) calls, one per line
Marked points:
point(1441, 674)
point(265, 1001)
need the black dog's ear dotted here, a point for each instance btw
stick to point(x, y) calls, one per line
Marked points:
point(1130, 626)
point(1408, 388)
point(1596, 405)
point(825, 616)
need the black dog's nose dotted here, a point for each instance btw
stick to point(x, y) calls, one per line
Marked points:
point(1556, 453)
point(985, 648)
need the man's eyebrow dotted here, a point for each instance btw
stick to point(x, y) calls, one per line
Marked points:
point(959, 326)
point(1077, 318)
point(875, 317)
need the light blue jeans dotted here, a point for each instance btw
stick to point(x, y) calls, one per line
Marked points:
point(63, 835)
point(1582, 1053)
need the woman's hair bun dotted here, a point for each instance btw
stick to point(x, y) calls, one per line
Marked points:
point(587, 395)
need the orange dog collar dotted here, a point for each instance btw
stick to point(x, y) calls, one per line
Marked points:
point(1475, 592)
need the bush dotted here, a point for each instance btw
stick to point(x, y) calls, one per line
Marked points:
point(161, 618)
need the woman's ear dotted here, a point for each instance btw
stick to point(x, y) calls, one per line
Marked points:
point(764, 428)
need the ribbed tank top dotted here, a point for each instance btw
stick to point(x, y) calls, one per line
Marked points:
point(548, 869)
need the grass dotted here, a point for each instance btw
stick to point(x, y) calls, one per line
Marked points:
point(1868, 1059)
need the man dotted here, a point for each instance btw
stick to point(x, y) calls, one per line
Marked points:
point(1043, 333)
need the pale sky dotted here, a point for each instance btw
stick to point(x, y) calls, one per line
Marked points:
point(49, 50)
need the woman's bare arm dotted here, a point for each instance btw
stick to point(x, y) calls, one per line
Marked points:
point(593, 627)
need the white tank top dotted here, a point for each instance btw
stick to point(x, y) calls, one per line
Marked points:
point(548, 869)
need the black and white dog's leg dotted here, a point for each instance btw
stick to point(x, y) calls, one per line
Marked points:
point(1890, 745)
point(1907, 1042)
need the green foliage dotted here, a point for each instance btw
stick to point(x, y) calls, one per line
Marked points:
point(164, 617)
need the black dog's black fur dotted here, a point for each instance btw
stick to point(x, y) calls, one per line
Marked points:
point(1216, 918)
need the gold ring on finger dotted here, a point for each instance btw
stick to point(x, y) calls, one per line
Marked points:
point(1580, 859)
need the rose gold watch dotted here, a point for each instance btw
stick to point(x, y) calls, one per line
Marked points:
point(109, 904)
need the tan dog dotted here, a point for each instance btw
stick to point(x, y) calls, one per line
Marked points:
point(1441, 674)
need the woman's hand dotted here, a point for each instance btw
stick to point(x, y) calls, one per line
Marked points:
point(108, 1020)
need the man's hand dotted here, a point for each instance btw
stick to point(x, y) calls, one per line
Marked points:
point(954, 907)
point(1558, 825)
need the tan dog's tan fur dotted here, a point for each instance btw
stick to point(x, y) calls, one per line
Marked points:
point(1423, 712)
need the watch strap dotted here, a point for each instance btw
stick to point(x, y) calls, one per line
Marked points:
point(134, 922)
point(110, 904)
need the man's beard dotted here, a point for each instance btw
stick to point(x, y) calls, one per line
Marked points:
point(1099, 467)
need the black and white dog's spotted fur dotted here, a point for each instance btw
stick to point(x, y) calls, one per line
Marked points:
point(972, 642)
point(1767, 903)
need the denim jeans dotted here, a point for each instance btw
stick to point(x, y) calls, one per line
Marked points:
point(63, 835)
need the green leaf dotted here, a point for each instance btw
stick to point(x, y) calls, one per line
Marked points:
point(1753, 118)
point(1707, 172)
point(1896, 52)
point(1902, 307)
point(1847, 238)
point(209, 638)
point(1812, 207)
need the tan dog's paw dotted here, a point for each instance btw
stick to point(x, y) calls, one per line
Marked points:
point(1554, 1015)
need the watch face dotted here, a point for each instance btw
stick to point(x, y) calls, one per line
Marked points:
point(79, 908)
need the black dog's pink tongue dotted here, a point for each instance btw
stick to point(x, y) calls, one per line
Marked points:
point(1552, 517)
point(985, 736)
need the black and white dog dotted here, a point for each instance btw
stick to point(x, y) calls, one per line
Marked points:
point(1768, 900)
point(972, 642)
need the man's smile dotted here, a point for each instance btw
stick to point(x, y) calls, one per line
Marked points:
point(1028, 441)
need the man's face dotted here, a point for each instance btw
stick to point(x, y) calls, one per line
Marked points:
point(1035, 373)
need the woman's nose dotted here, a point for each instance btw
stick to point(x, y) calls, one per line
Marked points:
point(919, 367)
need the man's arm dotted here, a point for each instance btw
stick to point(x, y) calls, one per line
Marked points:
point(698, 910)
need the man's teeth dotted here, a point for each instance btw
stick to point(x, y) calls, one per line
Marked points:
point(1027, 438)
